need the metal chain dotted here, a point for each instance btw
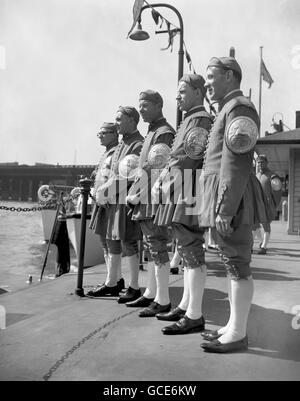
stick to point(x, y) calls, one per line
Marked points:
point(85, 339)
point(26, 209)
point(54, 368)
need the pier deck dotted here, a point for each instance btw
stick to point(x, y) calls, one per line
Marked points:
point(51, 334)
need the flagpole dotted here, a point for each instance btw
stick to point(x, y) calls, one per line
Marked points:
point(260, 82)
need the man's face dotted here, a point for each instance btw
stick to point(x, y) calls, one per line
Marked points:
point(186, 96)
point(262, 165)
point(149, 111)
point(123, 123)
point(106, 137)
point(216, 83)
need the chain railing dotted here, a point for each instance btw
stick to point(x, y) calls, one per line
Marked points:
point(48, 199)
point(27, 209)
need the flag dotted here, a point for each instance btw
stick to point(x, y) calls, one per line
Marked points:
point(172, 33)
point(265, 74)
point(137, 7)
point(189, 61)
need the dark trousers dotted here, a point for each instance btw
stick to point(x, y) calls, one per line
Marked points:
point(61, 240)
point(156, 240)
point(190, 242)
point(236, 251)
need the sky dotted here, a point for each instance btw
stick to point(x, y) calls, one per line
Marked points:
point(66, 66)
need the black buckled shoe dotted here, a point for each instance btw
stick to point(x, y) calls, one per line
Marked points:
point(130, 295)
point(153, 309)
point(172, 316)
point(210, 335)
point(262, 251)
point(174, 270)
point(219, 348)
point(104, 290)
point(121, 284)
point(141, 302)
point(185, 325)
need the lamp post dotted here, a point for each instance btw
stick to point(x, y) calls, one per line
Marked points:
point(140, 34)
point(85, 190)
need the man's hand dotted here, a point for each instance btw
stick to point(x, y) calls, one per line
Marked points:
point(101, 199)
point(133, 199)
point(223, 224)
point(155, 192)
point(146, 167)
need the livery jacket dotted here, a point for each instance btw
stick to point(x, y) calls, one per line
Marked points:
point(119, 224)
point(99, 213)
point(178, 181)
point(159, 132)
point(272, 188)
point(228, 185)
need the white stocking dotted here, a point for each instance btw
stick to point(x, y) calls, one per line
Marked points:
point(119, 271)
point(196, 283)
point(241, 295)
point(150, 291)
point(162, 281)
point(134, 271)
point(113, 262)
point(223, 330)
point(266, 239)
point(186, 293)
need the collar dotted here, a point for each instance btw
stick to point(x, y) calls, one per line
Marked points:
point(111, 145)
point(194, 110)
point(128, 137)
point(229, 96)
point(156, 123)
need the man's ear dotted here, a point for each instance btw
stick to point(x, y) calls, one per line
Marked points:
point(199, 93)
point(132, 121)
point(229, 75)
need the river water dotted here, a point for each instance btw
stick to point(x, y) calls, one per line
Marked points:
point(22, 247)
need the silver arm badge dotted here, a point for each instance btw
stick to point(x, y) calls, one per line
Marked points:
point(158, 155)
point(276, 183)
point(128, 166)
point(195, 143)
point(241, 135)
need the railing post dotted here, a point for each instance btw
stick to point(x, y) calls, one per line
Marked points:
point(85, 190)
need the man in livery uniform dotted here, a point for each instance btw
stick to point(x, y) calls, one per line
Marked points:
point(272, 188)
point(231, 198)
point(113, 193)
point(154, 156)
point(108, 136)
point(175, 189)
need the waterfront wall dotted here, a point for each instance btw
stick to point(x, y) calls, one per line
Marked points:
point(21, 182)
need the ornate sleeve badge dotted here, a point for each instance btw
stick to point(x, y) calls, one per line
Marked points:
point(241, 135)
point(158, 155)
point(276, 183)
point(195, 143)
point(128, 166)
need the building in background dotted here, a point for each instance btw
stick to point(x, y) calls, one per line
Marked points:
point(21, 182)
point(283, 152)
